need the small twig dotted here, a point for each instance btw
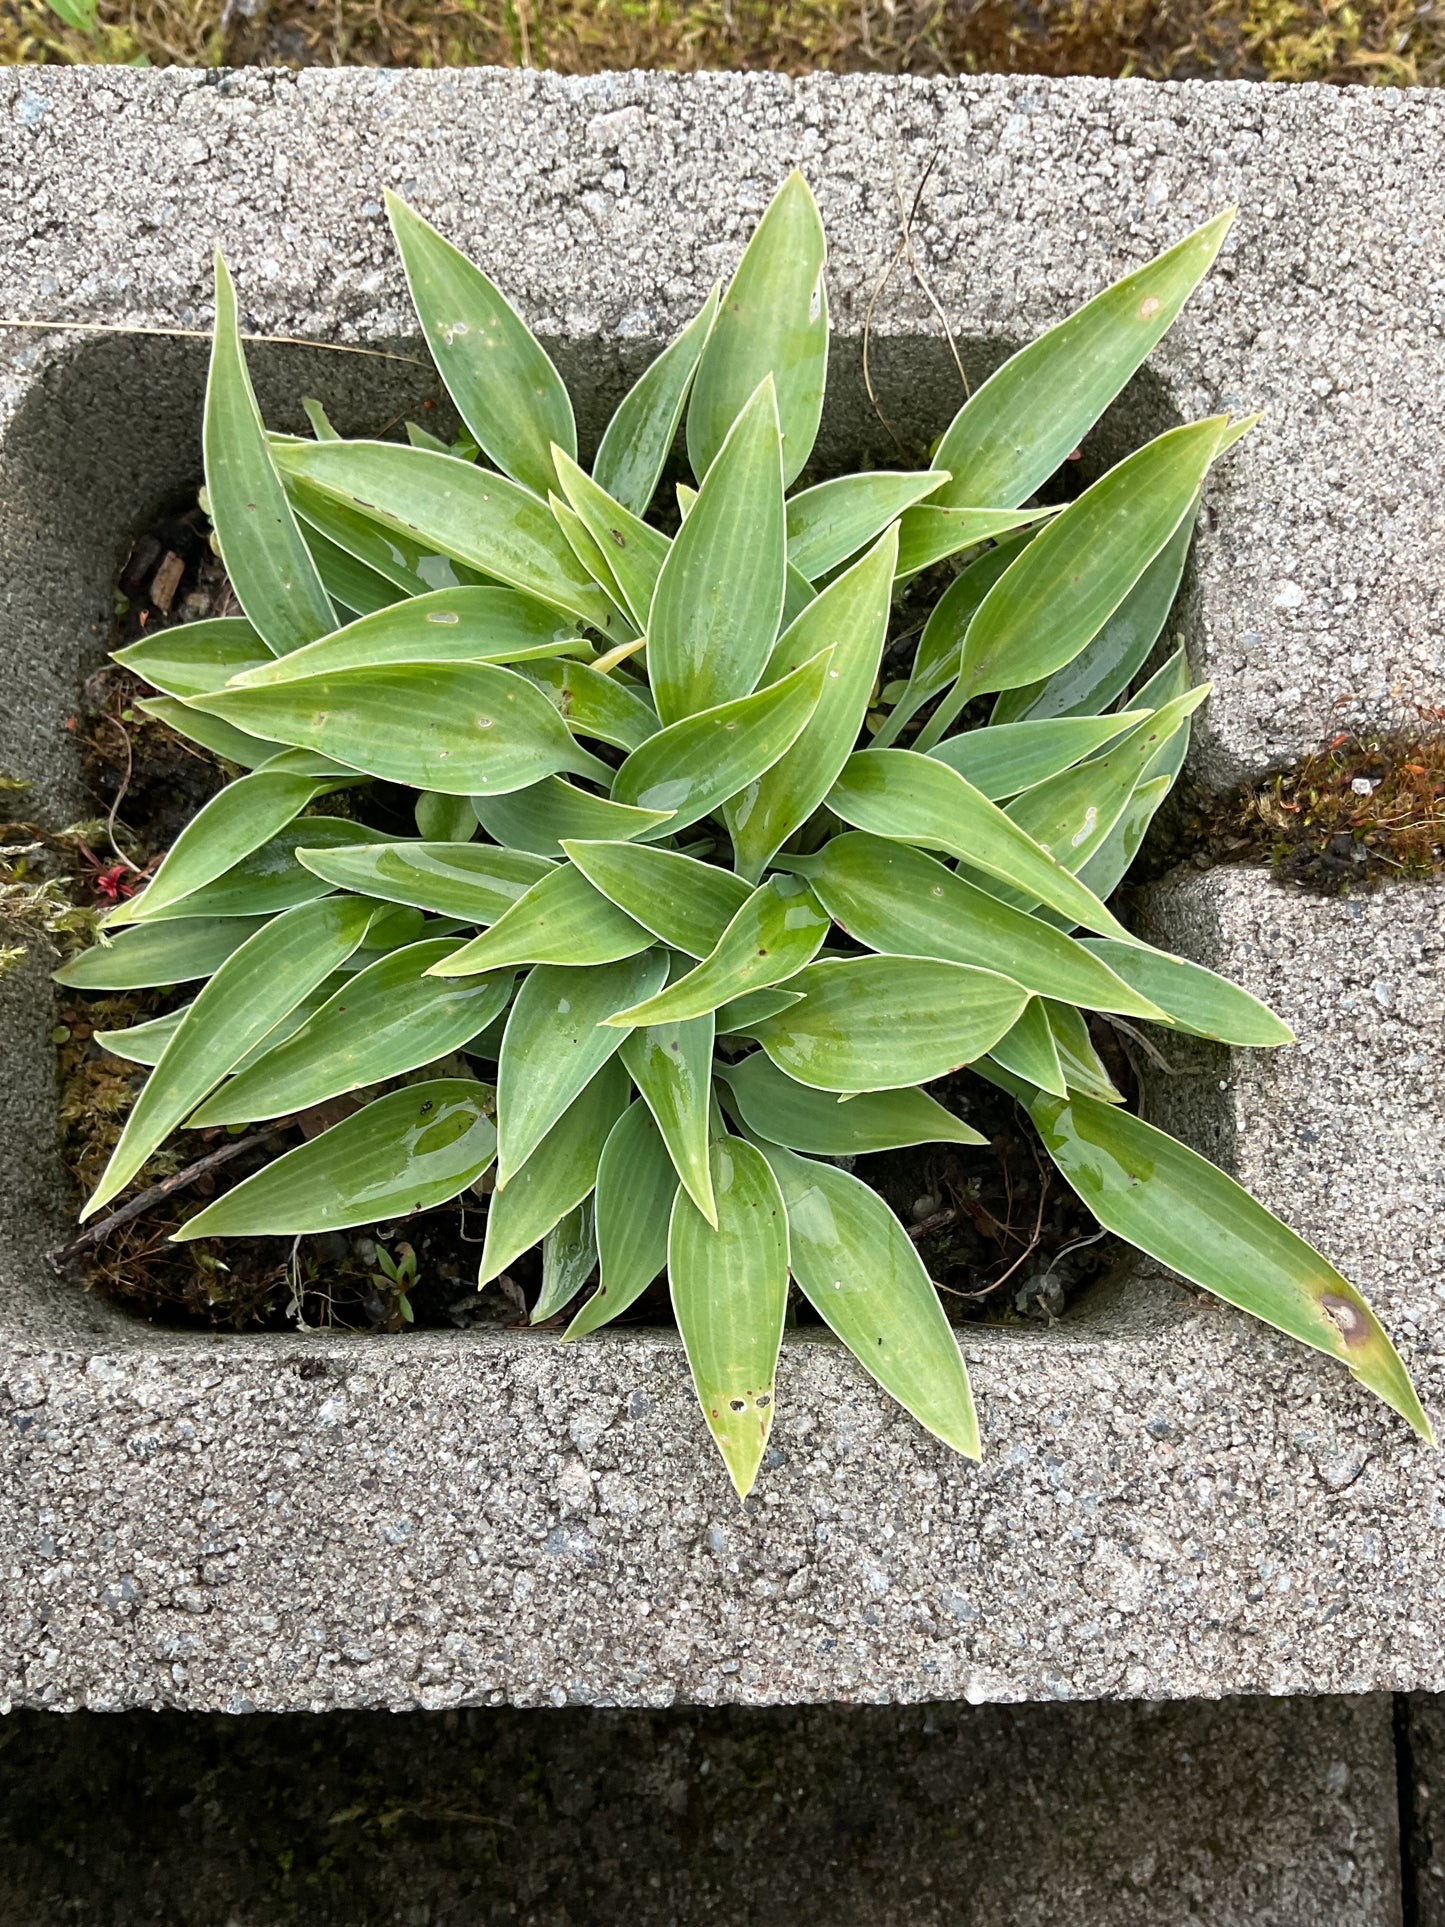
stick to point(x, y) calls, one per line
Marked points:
point(1033, 1242)
point(205, 334)
point(1151, 1051)
point(935, 1221)
point(905, 247)
point(119, 798)
point(917, 266)
point(1076, 1244)
point(886, 277)
point(157, 1193)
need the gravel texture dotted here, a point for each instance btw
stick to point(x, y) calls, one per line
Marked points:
point(1174, 1502)
point(1248, 1814)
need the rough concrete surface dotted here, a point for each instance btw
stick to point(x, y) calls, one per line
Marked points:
point(607, 205)
point(1174, 1501)
point(1341, 1134)
point(1246, 1814)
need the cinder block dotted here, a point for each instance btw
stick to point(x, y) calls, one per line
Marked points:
point(1174, 1501)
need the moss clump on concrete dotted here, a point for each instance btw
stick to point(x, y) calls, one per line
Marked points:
point(1356, 811)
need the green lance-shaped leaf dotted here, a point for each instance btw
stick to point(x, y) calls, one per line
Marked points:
point(588, 551)
point(634, 550)
point(266, 557)
point(936, 660)
point(730, 1295)
point(351, 585)
point(557, 1177)
point(858, 1268)
point(569, 1257)
point(639, 437)
point(271, 878)
point(557, 1039)
point(474, 881)
point(720, 592)
point(386, 550)
point(392, 926)
point(778, 931)
point(444, 819)
point(1071, 814)
point(449, 625)
point(289, 761)
point(1084, 1070)
point(322, 426)
point(694, 766)
point(223, 739)
point(898, 793)
point(496, 371)
point(851, 614)
point(740, 1017)
point(145, 1043)
point(592, 704)
point(248, 995)
point(1106, 868)
point(1193, 999)
point(1169, 682)
point(561, 919)
point(636, 1185)
point(671, 1065)
point(1176, 1206)
point(1105, 667)
point(236, 821)
point(773, 321)
point(1014, 431)
point(408, 1151)
point(141, 1043)
point(1004, 759)
point(476, 516)
point(1108, 864)
point(388, 1019)
point(464, 728)
point(152, 955)
point(543, 816)
point(894, 899)
point(465, 448)
point(875, 1023)
point(928, 534)
point(798, 592)
point(778, 1108)
point(831, 522)
point(687, 903)
point(1028, 1050)
point(195, 656)
point(1071, 578)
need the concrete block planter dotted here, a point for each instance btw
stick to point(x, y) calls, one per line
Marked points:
point(1173, 1502)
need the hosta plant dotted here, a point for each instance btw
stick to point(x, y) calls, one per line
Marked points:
point(717, 905)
